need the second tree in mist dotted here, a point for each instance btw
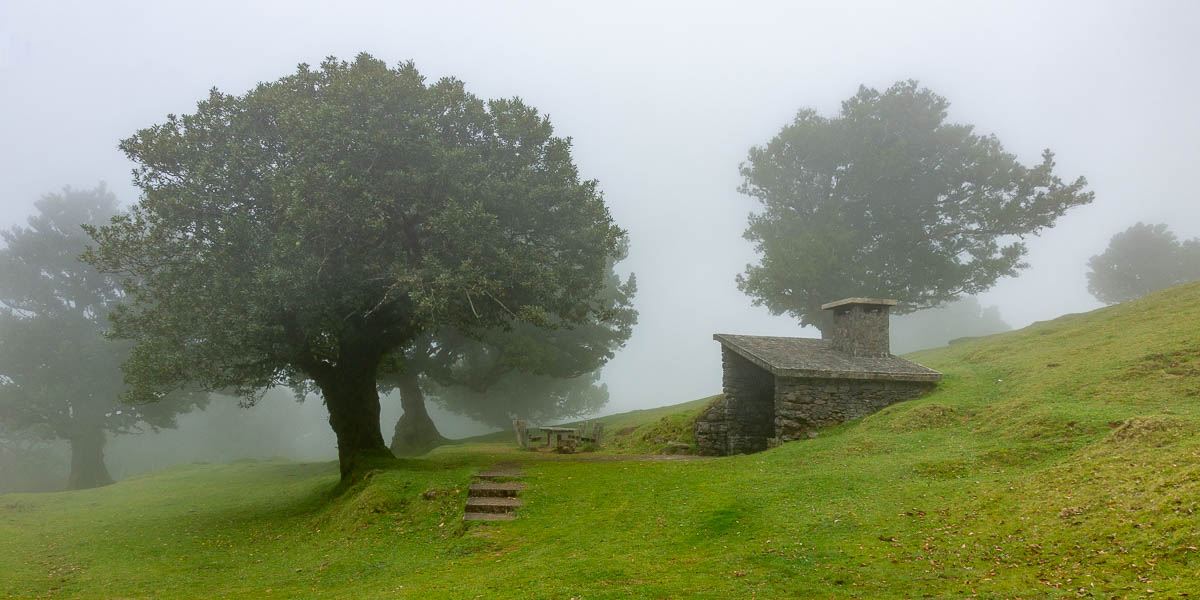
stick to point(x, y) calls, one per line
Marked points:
point(889, 200)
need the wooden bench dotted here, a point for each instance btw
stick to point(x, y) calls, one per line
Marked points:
point(521, 428)
point(592, 432)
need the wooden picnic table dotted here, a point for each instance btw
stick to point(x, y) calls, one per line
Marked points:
point(559, 432)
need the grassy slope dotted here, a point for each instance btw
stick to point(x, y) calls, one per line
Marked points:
point(1057, 461)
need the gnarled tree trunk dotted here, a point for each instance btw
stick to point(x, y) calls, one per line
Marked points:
point(353, 403)
point(87, 460)
point(415, 432)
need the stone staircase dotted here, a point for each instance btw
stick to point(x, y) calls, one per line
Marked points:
point(493, 495)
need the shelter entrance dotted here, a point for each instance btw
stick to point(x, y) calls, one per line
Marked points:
point(750, 391)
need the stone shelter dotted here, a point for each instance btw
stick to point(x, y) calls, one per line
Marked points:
point(782, 388)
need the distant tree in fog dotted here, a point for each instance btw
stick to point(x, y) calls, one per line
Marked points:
point(935, 327)
point(30, 461)
point(310, 230)
point(59, 377)
point(1140, 260)
point(521, 371)
point(889, 200)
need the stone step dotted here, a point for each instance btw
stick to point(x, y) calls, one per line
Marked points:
point(482, 489)
point(475, 516)
point(492, 505)
point(499, 475)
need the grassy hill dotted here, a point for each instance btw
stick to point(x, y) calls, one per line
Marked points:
point(1059, 461)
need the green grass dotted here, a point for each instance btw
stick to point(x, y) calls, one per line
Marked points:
point(1059, 461)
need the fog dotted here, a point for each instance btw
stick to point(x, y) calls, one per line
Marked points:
point(662, 101)
point(276, 427)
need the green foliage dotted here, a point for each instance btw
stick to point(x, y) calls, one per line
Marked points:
point(306, 229)
point(1140, 260)
point(58, 374)
point(1014, 478)
point(889, 200)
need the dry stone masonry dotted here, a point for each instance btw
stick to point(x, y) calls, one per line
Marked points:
point(779, 389)
point(861, 326)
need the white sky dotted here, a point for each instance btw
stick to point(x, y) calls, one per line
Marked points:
point(663, 100)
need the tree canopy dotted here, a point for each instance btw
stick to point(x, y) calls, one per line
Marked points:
point(888, 199)
point(1142, 259)
point(58, 374)
point(311, 227)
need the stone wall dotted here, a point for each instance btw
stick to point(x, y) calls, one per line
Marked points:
point(805, 404)
point(712, 430)
point(861, 330)
point(744, 420)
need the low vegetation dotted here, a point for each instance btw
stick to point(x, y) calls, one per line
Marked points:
point(1059, 461)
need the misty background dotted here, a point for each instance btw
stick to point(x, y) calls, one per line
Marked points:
point(662, 101)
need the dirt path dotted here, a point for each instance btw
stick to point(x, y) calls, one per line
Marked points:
point(639, 458)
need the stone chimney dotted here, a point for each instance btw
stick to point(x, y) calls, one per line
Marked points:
point(860, 326)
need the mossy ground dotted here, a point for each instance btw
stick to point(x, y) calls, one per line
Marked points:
point(1062, 460)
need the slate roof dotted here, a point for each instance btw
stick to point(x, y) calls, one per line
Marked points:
point(867, 301)
point(808, 357)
